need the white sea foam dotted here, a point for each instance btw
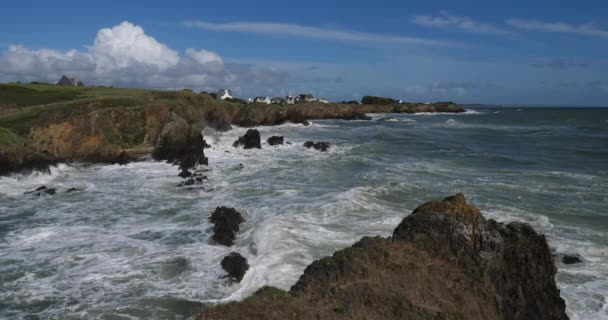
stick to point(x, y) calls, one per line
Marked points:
point(112, 237)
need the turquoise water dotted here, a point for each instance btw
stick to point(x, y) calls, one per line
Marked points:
point(108, 251)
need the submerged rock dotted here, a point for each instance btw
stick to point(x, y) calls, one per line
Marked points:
point(227, 221)
point(275, 140)
point(174, 267)
point(250, 140)
point(42, 190)
point(443, 261)
point(571, 259)
point(321, 146)
point(235, 265)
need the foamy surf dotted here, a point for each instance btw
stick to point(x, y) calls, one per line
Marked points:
point(109, 249)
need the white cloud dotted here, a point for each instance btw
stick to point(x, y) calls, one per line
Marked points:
point(125, 56)
point(447, 20)
point(126, 44)
point(557, 27)
point(204, 56)
point(300, 31)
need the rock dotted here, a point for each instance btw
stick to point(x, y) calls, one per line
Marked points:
point(235, 265)
point(181, 144)
point(321, 146)
point(571, 259)
point(70, 190)
point(443, 261)
point(227, 221)
point(42, 190)
point(25, 159)
point(185, 174)
point(250, 140)
point(275, 140)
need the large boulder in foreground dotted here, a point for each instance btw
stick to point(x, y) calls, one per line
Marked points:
point(444, 261)
point(250, 140)
point(227, 221)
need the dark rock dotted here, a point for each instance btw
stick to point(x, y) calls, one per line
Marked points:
point(235, 265)
point(444, 261)
point(181, 144)
point(571, 259)
point(187, 183)
point(185, 174)
point(70, 190)
point(25, 159)
point(295, 116)
point(275, 140)
point(122, 159)
point(42, 190)
point(321, 146)
point(250, 140)
point(227, 221)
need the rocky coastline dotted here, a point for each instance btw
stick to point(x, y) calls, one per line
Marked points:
point(443, 261)
point(126, 130)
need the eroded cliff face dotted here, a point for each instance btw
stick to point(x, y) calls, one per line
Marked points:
point(120, 134)
point(100, 136)
point(444, 261)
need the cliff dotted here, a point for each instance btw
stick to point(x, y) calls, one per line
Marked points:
point(58, 123)
point(443, 261)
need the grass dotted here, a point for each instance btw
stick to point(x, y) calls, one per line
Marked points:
point(15, 95)
point(8, 138)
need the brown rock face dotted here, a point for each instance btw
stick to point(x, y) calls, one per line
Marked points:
point(24, 159)
point(97, 137)
point(444, 261)
point(181, 143)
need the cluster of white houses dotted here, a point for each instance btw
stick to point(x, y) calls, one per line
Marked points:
point(227, 94)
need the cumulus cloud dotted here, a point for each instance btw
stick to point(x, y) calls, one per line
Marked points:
point(125, 55)
point(300, 31)
point(447, 20)
point(127, 44)
point(557, 27)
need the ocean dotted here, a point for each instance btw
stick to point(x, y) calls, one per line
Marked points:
point(130, 244)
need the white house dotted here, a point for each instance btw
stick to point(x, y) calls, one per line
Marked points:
point(262, 100)
point(224, 94)
point(290, 100)
point(323, 100)
point(305, 98)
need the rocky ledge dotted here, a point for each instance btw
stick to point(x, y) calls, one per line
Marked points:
point(443, 261)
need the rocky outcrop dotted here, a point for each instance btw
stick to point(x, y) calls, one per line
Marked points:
point(117, 129)
point(226, 224)
point(250, 140)
point(42, 191)
point(180, 143)
point(444, 261)
point(20, 158)
point(571, 259)
point(235, 266)
point(275, 140)
point(321, 146)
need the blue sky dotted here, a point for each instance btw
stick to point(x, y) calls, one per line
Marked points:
point(515, 52)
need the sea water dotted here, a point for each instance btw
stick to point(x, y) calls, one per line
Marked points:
point(130, 244)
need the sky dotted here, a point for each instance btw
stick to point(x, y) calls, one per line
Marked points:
point(515, 52)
